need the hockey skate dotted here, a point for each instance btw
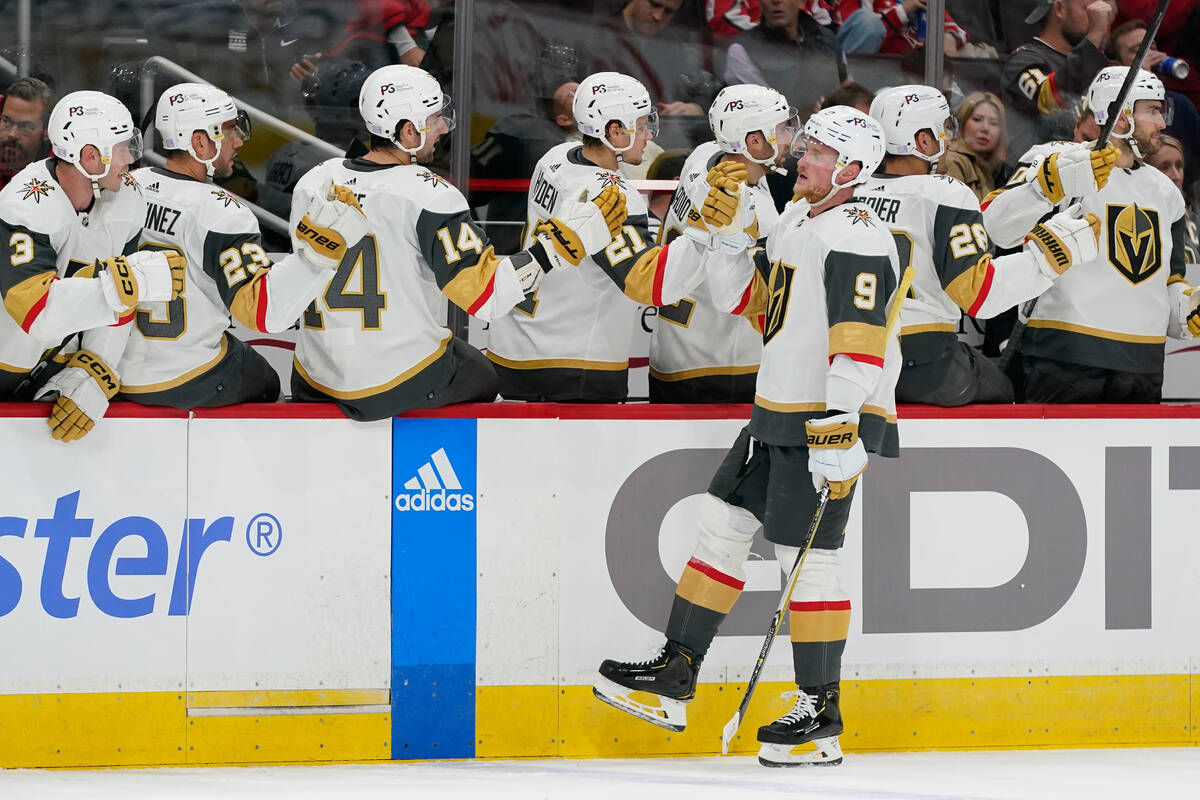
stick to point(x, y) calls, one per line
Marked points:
point(815, 718)
point(656, 690)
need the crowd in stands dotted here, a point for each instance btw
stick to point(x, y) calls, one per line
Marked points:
point(1015, 75)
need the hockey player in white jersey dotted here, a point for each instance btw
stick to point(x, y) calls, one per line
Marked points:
point(71, 225)
point(572, 340)
point(1098, 333)
point(374, 342)
point(181, 354)
point(939, 231)
point(824, 400)
point(699, 354)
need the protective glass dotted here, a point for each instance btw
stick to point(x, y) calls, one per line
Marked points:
point(953, 129)
point(799, 144)
point(133, 144)
point(787, 130)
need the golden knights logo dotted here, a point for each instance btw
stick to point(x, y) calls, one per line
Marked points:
point(36, 190)
point(226, 198)
point(857, 215)
point(428, 176)
point(1134, 242)
point(610, 179)
point(777, 298)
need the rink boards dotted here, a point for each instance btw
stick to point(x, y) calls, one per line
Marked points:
point(274, 584)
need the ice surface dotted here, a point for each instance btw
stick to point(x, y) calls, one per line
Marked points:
point(1030, 774)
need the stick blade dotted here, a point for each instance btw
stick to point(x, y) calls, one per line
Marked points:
point(730, 730)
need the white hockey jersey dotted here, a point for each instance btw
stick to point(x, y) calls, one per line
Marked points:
point(379, 321)
point(1116, 311)
point(825, 342)
point(51, 248)
point(692, 338)
point(227, 271)
point(939, 232)
point(583, 319)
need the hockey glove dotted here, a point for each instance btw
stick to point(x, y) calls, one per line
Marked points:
point(835, 453)
point(1193, 316)
point(144, 277)
point(1075, 172)
point(1066, 239)
point(334, 221)
point(586, 227)
point(81, 392)
point(721, 204)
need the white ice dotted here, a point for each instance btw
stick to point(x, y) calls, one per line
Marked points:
point(1021, 775)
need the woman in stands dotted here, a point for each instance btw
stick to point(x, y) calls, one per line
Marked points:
point(976, 157)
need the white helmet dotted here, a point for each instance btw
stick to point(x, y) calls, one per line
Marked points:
point(189, 107)
point(92, 118)
point(854, 135)
point(1107, 85)
point(398, 93)
point(905, 111)
point(747, 108)
point(606, 96)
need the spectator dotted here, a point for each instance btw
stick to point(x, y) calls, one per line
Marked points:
point(383, 32)
point(791, 52)
point(24, 114)
point(1122, 48)
point(1042, 78)
point(1170, 161)
point(727, 18)
point(976, 156)
point(249, 45)
point(667, 167)
point(649, 17)
point(514, 144)
point(887, 26)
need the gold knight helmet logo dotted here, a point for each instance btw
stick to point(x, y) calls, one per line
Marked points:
point(1134, 242)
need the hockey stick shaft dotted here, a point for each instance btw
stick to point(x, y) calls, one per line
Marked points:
point(731, 727)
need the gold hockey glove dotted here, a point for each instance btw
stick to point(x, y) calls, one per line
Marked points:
point(81, 392)
point(835, 453)
point(585, 227)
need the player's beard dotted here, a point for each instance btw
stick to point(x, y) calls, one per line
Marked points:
point(812, 194)
point(1147, 144)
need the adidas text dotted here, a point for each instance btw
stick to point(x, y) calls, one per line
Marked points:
point(426, 500)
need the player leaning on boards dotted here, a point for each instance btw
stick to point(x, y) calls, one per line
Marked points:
point(828, 371)
point(1097, 335)
point(699, 354)
point(181, 353)
point(70, 224)
point(939, 231)
point(571, 341)
point(374, 342)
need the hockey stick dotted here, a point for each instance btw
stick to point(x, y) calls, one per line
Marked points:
point(731, 727)
point(1114, 109)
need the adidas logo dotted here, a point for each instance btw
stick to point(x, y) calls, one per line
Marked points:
point(435, 487)
point(152, 187)
point(352, 182)
point(554, 167)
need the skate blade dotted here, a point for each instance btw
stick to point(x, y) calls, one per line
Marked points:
point(665, 712)
point(828, 753)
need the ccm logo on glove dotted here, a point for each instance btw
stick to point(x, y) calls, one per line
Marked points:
point(98, 370)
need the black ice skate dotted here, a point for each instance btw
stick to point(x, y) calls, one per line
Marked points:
point(656, 690)
point(815, 718)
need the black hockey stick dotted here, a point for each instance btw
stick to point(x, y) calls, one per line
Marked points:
point(731, 727)
point(1114, 111)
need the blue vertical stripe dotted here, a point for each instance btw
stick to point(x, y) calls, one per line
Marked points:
point(433, 588)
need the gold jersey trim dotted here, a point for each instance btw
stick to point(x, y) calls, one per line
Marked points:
point(786, 408)
point(701, 372)
point(878, 411)
point(373, 390)
point(1097, 332)
point(182, 379)
point(929, 327)
point(558, 363)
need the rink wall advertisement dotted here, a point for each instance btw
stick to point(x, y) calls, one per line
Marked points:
point(279, 584)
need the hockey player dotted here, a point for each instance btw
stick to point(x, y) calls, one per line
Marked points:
point(374, 342)
point(824, 400)
point(71, 224)
point(697, 353)
point(939, 231)
point(570, 342)
point(1098, 333)
point(181, 354)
